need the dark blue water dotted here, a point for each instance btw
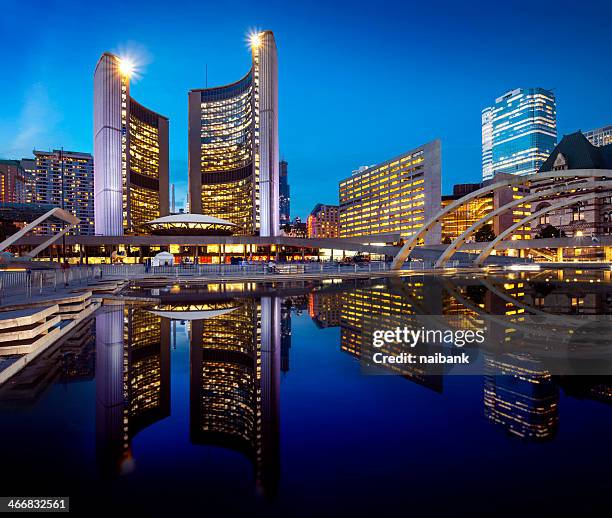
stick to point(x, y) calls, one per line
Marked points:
point(307, 433)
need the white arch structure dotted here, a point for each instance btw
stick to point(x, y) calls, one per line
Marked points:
point(411, 243)
point(54, 212)
point(459, 241)
point(486, 252)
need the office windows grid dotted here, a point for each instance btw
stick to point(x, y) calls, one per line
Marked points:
point(518, 132)
point(390, 197)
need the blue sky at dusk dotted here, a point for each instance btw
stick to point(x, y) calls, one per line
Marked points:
point(358, 83)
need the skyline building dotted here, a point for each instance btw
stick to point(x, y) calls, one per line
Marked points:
point(13, 182)
point(323, 221)
point(519, 131)
point(233, 146)
point(394, 197)
point(29, 167)
point(600, 136)
point(66, 179)
point(284, 193)
point(131, 153)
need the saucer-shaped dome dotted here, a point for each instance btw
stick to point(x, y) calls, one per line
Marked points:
point(190, 225)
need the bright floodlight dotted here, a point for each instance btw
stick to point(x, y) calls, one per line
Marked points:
point(255, 39)
point(126, 67)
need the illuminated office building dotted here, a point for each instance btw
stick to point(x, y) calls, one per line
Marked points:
point(519, 131)
point(394, 197)
point(131, 154)
point(284, 193)
point(66, 179)
point(29, 167)
point(458, 221)
point(323, 221)
point(13, 182)
point(600, 136)
point(233, 146)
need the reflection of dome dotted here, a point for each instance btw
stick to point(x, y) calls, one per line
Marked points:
point(193, 311)
point(190, 225)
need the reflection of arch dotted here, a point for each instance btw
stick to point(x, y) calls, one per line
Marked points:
point(479, 261)
point(411, 242)
point(456, 244)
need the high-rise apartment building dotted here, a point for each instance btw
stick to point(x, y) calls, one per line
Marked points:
point(395, 196)
point(518, 132)
point(233, 146)
point(324, 221)
point(65, 179)
point(284, 193)
point(13, 182)
point(600, 136)
point(29, 167)
point(131, 153)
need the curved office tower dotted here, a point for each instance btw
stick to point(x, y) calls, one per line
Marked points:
point(233, 146)
point(130, 154)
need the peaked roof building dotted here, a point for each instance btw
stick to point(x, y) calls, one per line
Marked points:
point(578, 153)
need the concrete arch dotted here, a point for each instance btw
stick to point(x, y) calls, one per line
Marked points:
point(460, 240)
point(486, 252)
point(410, 244)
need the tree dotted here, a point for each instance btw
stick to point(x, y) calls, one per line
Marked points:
point(485, 233)
point(549, 231)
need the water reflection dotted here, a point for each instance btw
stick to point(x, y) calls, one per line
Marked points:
point(234, 379)
point(241, 337)
point(235, 367)
point(70, 360)
point(132, 381)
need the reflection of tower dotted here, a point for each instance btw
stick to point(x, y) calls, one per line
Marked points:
point(110, 429)
point(235, 367)
point(285, 326)
point(148, 339)
point(132, 380)
point(521, 396)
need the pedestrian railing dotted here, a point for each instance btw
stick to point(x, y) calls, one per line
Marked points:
point(31, 283)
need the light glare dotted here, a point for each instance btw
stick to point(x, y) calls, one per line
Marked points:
point(126, 67)
point(255, 39)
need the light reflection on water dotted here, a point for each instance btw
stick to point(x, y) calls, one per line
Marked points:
point(250, 397)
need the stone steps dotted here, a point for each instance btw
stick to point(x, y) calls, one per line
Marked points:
point(22, 331)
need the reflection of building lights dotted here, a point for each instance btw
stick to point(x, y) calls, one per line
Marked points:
point(523, 267)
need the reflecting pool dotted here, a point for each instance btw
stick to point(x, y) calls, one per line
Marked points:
point(253, 398)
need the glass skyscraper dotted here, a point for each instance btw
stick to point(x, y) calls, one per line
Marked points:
point(518, 132)
point(284, 196)
point(233, 146)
